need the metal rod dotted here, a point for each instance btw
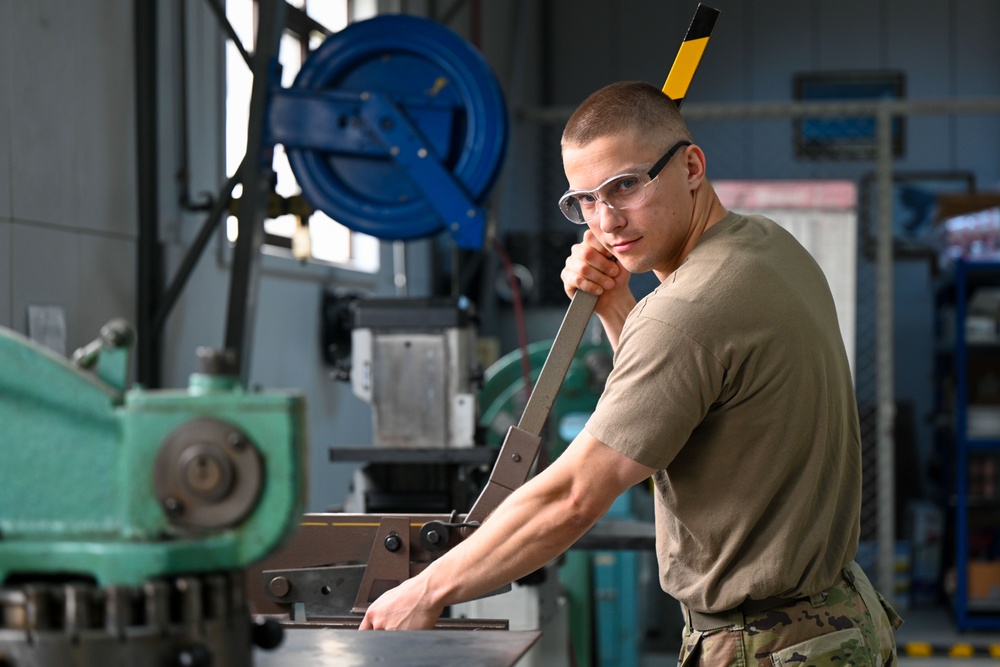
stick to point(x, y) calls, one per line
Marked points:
point(301, 24)
point(352, 623)
point(184, 271)
point(227, 27)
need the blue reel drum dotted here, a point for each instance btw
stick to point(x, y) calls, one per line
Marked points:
point(397, 128)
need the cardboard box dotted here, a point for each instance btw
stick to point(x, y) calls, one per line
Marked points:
point(984, 579)
point(949, 205)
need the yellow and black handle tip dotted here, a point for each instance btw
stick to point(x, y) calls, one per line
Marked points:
point(690, 53)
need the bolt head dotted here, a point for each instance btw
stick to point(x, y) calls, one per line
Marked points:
point(393, 543)
point(174, 507)
point(236, 440)
point(279, 586)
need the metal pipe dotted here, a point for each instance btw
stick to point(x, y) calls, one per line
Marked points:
point(832, 108)
point(184, 172)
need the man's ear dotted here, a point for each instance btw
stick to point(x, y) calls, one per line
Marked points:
point(694, 162)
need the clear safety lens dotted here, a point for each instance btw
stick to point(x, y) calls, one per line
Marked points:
point(618, 192)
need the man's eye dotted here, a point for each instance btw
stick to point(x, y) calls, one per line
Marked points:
point(626, 184)
point(587, 199)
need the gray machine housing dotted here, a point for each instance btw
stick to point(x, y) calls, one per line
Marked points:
point(414, 362)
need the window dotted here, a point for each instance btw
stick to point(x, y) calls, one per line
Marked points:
point(318, 239)
point(848, 137)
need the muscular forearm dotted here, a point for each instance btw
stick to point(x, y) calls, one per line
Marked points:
point(535, 524)
point(531, 528)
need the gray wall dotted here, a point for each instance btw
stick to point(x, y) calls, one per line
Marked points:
point(67, 169)
point(68, 219)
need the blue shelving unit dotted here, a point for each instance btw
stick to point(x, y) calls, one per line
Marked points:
point(972, 511)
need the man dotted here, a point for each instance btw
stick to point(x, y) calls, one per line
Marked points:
point(730, 388)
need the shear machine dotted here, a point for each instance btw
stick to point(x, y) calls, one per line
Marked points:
point(127, 516)
point(335, 565)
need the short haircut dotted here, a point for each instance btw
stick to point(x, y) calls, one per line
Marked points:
point(633, 107)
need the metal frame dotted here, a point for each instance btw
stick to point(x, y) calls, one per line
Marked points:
point(155, 303)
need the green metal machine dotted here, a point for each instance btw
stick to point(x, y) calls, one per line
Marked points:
point(127, 516)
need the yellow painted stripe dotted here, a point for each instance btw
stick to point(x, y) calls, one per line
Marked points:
point(348, 525)
point(338, 524)
point(919, 650)
point(926, 650)
point(683, 69)
point(962, 651)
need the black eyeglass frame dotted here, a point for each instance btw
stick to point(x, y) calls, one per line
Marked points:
point(655, 170)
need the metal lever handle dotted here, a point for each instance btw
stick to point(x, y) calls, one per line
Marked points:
point(520, 446)
point(564, 347)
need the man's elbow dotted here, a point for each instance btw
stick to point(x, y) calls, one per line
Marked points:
point(584, 509)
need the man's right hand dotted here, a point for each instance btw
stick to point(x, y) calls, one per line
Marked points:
point(593, 268)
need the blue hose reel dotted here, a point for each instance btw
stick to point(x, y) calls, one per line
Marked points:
point(395, 127)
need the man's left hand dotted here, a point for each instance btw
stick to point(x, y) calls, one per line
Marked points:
point(404, 607)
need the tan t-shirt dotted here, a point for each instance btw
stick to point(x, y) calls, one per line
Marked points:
point(732, 380)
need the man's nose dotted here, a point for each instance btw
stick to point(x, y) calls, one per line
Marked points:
point(608, 218)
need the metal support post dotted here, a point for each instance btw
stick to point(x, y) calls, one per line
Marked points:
point(150, 259)
point(256, 176)
point(886, 407)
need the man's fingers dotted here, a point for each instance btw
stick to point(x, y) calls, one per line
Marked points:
point(574, 280)
point(590, 271)
point(366, 623)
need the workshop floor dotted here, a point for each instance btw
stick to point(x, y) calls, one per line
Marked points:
point(934, 626)
point(927, 625)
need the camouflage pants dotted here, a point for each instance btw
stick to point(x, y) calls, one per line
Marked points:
point(848, 624)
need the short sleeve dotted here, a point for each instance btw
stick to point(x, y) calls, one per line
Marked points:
point(663, 383)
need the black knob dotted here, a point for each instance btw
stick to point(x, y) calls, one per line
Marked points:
point(267, 634)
